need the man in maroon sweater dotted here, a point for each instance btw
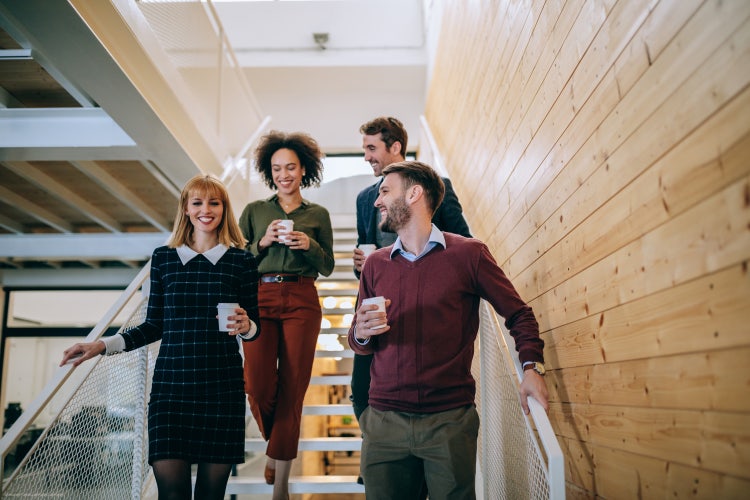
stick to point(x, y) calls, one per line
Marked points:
point(422, 424)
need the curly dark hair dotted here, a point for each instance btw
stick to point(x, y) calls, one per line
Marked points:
point(390, 130)
point(302, 144)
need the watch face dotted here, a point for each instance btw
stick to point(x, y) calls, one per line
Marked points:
point(538, 367)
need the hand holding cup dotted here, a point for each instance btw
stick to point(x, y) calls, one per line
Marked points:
point(233, 319)
point(371, 317)
point(361, 253)
point(284, 229)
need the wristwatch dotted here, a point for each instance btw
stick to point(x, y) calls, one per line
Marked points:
point(536, 366)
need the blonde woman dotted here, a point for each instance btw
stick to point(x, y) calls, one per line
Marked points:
point(197, 405)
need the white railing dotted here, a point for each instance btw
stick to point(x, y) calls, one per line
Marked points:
point(512, 462)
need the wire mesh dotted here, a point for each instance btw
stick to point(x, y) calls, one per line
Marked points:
point(512, 463)
point(96, 446)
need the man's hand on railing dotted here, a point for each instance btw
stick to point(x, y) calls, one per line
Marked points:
point(79, 353)
point(533, 385)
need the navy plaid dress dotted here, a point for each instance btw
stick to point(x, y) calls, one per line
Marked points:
point(197, 406)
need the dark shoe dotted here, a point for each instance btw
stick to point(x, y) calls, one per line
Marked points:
point(269, 474)
point(360, 480)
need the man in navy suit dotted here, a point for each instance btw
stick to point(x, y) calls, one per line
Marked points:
point(384, 141)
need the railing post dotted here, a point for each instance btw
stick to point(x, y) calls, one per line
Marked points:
point(139, 425)
point(483, 417)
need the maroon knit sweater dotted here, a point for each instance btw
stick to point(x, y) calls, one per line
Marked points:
point(423, 363)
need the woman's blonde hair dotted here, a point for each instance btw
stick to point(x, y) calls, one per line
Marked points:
point(229, 231)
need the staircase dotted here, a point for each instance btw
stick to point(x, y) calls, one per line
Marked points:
point(330, 442)
point(93, 447)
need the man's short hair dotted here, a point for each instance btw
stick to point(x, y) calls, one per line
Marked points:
point(416, 172)
point(390, 130)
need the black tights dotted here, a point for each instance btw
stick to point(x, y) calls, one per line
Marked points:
point(173, 479)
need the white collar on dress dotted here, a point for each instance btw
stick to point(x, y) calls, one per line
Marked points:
point(186, 253)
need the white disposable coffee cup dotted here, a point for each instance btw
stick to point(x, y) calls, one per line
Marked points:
point(378, 301)
point(288, 228)
point(367, 248)
point(226, 309)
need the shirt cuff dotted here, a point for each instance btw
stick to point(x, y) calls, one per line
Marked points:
point(251, 333)
point(359, 341)
point(113, 344)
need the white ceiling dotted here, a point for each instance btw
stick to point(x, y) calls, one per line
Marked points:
point(331, 103)
point(359, 32)
point(374, 63)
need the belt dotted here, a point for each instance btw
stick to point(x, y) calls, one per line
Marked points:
point(285, 278)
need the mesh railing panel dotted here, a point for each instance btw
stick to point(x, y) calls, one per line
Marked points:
point(96, 448)
point(511, 462)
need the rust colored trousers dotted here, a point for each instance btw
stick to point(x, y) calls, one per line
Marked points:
point(279, 362)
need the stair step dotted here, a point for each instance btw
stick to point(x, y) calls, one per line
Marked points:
point(338, 310)
point(345, 248)
point(329, 409)
point(344, 276)
point(312, 444)
point(342, 409)
point(344, 219)
point(340, 331)
point(331, 380)
point(346, 353)
point(344, 234)
point(297, 485)
point(338, 292)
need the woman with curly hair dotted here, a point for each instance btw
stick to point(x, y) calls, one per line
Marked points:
point(278, 365)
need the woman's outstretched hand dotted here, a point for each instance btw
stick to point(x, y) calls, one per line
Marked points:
point(79, 353)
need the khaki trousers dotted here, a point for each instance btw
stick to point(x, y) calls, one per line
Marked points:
point(401, 450)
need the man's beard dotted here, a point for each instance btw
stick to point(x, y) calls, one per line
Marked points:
point(397, 217)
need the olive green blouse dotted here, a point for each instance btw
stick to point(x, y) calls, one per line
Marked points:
point(310, 218)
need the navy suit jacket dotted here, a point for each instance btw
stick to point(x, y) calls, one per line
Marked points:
point(449, 216)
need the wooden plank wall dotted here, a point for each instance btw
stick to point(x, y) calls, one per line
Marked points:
point(605, 149)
